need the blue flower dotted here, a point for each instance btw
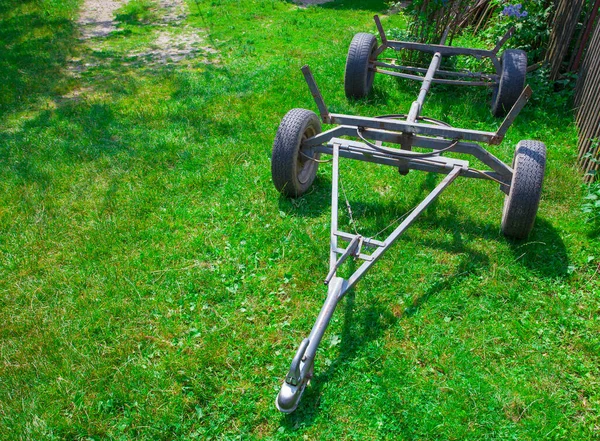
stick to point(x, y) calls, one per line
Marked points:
point(514, 11)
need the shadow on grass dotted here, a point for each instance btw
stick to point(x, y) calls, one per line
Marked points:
point(312, 204)
point(370, 323)
point(81, 129)
point(94, 131)
point(543, 253)
point(318, 201)
point(35, 44)
point(594, 229)
point(476, 262)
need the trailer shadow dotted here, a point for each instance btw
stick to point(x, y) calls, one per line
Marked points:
point(475, 262)
point(318, 199)
point(544, 253)
point(368, 324)
point(312, 204)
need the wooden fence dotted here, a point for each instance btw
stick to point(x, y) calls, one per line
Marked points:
point(564, 25)
point(587, 103)
point(572, 40)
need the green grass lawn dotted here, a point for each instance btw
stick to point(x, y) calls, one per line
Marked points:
point(154, 285)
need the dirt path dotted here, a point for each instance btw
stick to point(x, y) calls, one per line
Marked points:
point(97, 17)
point(173, 41)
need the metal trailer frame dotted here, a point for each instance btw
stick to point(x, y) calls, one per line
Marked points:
point(407, 131)
point(466, 78)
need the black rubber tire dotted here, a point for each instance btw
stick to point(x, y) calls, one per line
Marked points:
point(358, 79)
point(521, 204)
point(512, 81)
point(292, 171)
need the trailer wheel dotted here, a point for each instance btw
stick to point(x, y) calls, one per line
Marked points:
point(512, 81)
point(358, 79)
point(521, 204)
point(293, 169)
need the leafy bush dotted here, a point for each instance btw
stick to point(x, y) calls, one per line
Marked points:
point(552, 96)
point(431, 17)
point(531, 22)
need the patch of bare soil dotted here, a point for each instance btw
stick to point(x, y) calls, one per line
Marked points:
point(97, 17)
point(172, 48)
point(173, 41)
point(174, 11)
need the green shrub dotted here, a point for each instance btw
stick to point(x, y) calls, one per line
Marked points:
point(531, 19)
point(531, 22)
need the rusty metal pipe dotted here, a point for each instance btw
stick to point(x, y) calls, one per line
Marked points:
point(415, 108)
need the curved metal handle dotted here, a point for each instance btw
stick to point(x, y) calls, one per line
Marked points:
point(294, 375)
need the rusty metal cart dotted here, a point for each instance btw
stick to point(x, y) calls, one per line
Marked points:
point(300, 143)
point(365, 60)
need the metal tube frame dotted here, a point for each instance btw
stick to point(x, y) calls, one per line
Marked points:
point(408, 132)
point(487, 80)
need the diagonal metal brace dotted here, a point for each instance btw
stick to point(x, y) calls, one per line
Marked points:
point(503, 40)
point(316, 93)
point(512, 115)
point(400, 229)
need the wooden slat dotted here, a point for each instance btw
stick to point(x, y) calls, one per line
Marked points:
point(588, 76)
point(564, 26)
point(587, 101)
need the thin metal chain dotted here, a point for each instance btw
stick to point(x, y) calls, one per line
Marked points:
point(348, 207)
point(400, 219)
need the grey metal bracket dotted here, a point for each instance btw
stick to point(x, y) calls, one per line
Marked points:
point(503, 40)
point(294, 376)
point(513, 113)
point(353, 249)
point(316, 93)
